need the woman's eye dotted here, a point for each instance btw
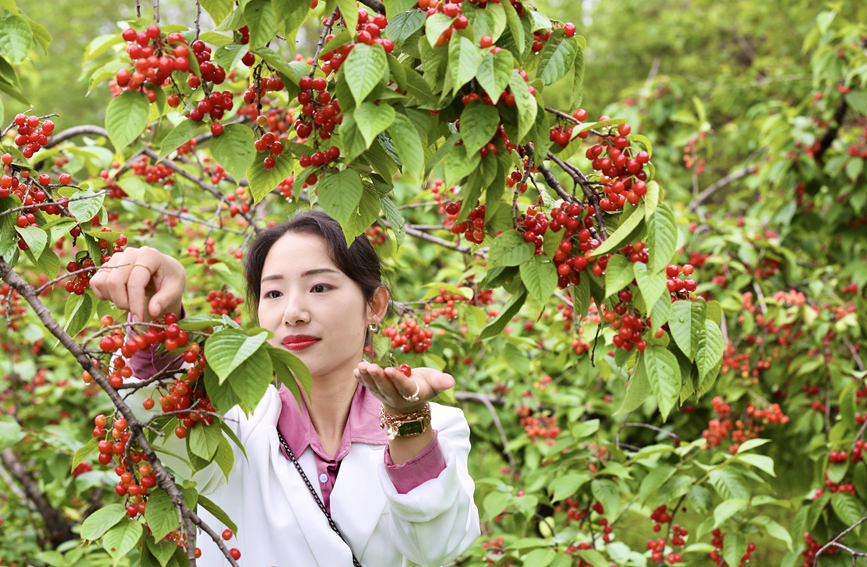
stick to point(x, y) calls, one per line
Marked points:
point(319, 288)
point(272, 294)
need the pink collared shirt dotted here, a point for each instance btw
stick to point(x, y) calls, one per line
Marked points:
point(362, 426)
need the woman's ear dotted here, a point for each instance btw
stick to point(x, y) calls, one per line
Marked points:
point(379, 304)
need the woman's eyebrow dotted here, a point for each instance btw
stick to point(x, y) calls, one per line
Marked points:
point(306, 274)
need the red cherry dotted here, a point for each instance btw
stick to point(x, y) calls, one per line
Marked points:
point(568, 29)
point(486, 41)
point(227, 534)
point(405, 369)
point(216, 128)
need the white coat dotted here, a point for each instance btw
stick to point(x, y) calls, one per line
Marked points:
point(280, 524)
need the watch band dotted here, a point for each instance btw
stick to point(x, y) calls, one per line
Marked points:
point(405, 424)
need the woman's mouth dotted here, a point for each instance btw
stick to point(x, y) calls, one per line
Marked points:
point(299, 342)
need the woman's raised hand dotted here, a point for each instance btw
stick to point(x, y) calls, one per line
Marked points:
point(143, 281)
point(398, 392)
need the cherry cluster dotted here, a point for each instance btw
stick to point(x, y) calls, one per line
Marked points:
point(447, 309)
point(214, 105)
point(257, 91)
point(620, 167)
point(410, 337)
point(285, 187)
point(813, 547)
point(240, 194)
point(223, 303)
point(495, 549)
point(154, 59)
point(540, 425)
point(270, 144)
point(152, 173)
point(628, 323)
point(676, 285)
point(376, 234)
point(136, 476)
point(320, 112)
point(473, 228)
point(80, 281)
point(32, 133)
point(717, 542)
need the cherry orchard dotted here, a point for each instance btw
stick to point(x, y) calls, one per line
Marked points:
point(419, 121)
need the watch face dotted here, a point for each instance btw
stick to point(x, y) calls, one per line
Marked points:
point(411, 428)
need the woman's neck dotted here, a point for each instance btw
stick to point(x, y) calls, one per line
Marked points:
point(329, 405)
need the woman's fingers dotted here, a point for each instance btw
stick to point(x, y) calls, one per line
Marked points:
point(399, 391)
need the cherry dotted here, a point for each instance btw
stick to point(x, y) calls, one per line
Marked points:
point(405, 369)
point(486, 41)
point(227, 535)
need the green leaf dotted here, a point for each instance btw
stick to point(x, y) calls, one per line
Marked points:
point(81, 454)
point(774, 529)
point(654, 480)
point(291, 370)
point(729, 484)
point(557, 57)
point(651, 285)
point(565, 486)
point(228, 349)
point(262, 181)
point(663, 373)
point(279, 63)
point(40, 34)
point(708, 356)
point(581, 297)
point(100, 521)
point(459, 164)
point(126, 118)
point(618, 274)
point(77, 312)
point(751, 444)
point(352, 143)
point(525, 103)
point(160, 513)
point(661, 237)
point(540, 277)
point(122, 538)
point(409, 148)
point(85, 205)
point(363, 69)
point(435, 26)
point(179, 135)
point(260, 17)
point(203, 441)
point(217, 9)
point(371, 119)
point(578, 77)
point(634, 218)
point(234, 149)
point(464, 60)
point(607, 493)
point(847, 507)
point(35, 237)
point(16, 38)
point(225, 457)
point(727, 509)
point(858, 101)
point(495, 502)
point(10, 432)
point(683, 324)
point(494, 72)
point(402, 26)
point(593, 557)
point(637, 390)
point(479, 123)
point(511, 309)
point(161, 550)
point(217, 512)
point(251, 378)
point(761, 462)
point(515, 27)
point(340, 194)
point(510, 249)
point(539, 558)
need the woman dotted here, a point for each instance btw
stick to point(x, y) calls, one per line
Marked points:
point(387, 465)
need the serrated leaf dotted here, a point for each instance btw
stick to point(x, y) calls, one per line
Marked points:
point(761, 462)
point(581, 297)
point(81, 454)
point(494, 72)
point(126, 118)
point(524, 102)
point(618, 274)
point(663, 374)
point(654, 480)
point(727, 509)
point(409, 148)
point(515, 27)
point(35, 237)
point(540, 277)
point(262, 21)
point(16, 38)
point(101, 521)
point(729, 484)
point(217, 9)
point(464, 60)
point(403, 25)
point(435, 26)
point(509, 249)
point(774, 529)
point(680, 324)
point(262, 181)
point(651, 285)
point(77, 312)
point(459, 164)
point(479, 123)
point(122, 538)
point(234, 149)
point(371, 119)
point(565, 486)
point(222, 395)
point(557, 57)
point(495, 502)
point(160, 513)
point(607, 493)
point(228, 349)
point(217, 512)
point(661, 237)
point(203, 441)
point(10, 432)
point(363, 69)
point(708, 356)
point(614, 240)
point(229, 55)
point(352, 143)
point(224, 457)
point(178, 135)
point(340, 194)
point(511, 309)
point(251, 378)
point(637, 391)
point(85, 205)
point(847, 507)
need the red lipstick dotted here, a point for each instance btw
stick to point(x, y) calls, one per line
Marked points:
point(299, 342)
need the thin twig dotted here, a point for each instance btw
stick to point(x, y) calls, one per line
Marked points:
point(486, 401)
point(834, 543)
point(717, 185)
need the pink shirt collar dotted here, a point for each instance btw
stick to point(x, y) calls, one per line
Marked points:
point(362, 425)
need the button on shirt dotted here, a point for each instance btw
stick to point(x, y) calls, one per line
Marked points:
point(362, 426)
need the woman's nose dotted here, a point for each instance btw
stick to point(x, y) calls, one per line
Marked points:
point(295, 312)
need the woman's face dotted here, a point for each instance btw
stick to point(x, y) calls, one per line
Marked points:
point(314, 310)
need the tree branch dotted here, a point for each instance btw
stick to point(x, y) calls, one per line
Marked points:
point(833, 130)
point(719, 184)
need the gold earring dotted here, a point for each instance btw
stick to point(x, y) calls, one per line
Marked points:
point(373, 328)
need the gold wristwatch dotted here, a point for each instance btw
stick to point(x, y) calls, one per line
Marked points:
point(405, 424)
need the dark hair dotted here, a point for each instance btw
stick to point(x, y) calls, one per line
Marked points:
point(358, 261)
